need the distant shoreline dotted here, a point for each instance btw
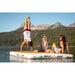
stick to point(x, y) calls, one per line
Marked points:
point(24, 46)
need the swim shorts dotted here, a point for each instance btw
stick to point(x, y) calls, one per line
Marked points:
point(27, 35)
point(56, 50)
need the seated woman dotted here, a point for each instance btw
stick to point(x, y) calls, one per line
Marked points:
point(43, 44)
point(27, 35)
point(63, 45)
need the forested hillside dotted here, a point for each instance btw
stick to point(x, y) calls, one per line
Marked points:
point(15, 38)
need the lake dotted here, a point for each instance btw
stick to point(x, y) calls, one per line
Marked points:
point(5, 56)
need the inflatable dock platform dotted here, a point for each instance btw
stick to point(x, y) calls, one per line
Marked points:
point(35, 55)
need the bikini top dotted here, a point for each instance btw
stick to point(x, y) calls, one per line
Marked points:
point(61, 47)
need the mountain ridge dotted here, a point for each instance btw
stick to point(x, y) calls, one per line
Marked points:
point(57, 25)
point(72, 25)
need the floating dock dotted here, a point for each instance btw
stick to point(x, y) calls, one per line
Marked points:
point(22, 60)
point(35, 55)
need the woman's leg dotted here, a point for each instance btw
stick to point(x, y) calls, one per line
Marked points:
point(53, 47)
point(25, 27)
point(29, 22)
point(48, 50)
point(21, 48)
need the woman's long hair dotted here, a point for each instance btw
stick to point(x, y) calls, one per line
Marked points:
point(44, 39)
point(63, 39)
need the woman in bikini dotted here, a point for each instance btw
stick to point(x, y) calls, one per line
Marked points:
point(27, 35)
point(63, 45)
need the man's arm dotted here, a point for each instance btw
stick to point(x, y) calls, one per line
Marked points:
point(67, 48)
point(32, 47)
point(62, 47)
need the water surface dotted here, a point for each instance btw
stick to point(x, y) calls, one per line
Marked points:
point(5, 56)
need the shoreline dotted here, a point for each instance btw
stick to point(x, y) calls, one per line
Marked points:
point(26, 46)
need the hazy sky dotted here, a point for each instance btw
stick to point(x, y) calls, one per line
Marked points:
point(12, 21)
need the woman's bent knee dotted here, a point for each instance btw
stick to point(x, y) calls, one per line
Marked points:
point(53, 44)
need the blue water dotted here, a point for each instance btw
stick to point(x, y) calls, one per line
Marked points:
point(5, 57)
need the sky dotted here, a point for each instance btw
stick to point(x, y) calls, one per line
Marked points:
point(12, 21)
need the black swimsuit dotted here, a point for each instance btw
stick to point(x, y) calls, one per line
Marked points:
point(61, 47)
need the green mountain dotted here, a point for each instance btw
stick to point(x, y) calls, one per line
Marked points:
point(15, 38)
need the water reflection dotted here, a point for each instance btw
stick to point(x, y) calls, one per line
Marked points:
point(22, 60)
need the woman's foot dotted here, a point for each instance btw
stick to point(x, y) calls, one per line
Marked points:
point(48, 50)
point(35, 50)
